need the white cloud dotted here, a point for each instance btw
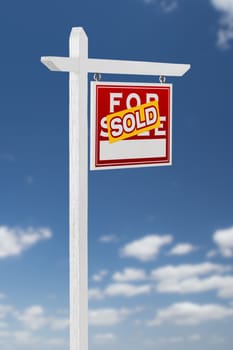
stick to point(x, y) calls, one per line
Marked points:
point(25, 328)
point(107, 317)
point(146, 248)
point(129, 274)
point(225, 31)
point(23, 338)
point(223, 285)
point(187, 313)
point(99, 276)
point(181, 279)
point(34, 318)
point(224, 240)
point(184, 279)
point(127, 290)
point(223, 5)
point(187, 270)
point(108, 239)
point(182, 249)
point(119, 289)
point(13, 241)
point(104, 338)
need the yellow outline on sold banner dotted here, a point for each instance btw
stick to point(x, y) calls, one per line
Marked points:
point(130, 122)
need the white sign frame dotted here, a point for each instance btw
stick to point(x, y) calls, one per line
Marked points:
point(78, 65)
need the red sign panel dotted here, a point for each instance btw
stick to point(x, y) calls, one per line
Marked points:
point(123, 104)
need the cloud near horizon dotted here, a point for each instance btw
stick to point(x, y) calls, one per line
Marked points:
point(28, 325)
point(191, 314)
point(190, 279)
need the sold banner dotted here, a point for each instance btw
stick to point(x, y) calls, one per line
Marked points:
point(131, 125)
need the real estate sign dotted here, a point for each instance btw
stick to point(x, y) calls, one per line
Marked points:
point(131, 125)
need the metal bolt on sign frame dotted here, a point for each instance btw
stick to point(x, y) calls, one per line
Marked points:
point(162, 79)
point(97, 77)
point(78, 65)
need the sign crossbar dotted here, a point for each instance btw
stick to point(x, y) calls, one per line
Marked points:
point(71, 64)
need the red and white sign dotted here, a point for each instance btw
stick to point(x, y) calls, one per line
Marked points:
point(117, 102)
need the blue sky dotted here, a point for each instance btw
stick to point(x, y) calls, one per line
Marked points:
point(160, 239)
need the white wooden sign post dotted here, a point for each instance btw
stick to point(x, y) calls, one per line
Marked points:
point(79, 65)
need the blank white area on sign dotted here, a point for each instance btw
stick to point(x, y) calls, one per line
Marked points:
point(132, 149)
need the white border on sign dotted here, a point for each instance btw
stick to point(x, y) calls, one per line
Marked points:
point(93, 126)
